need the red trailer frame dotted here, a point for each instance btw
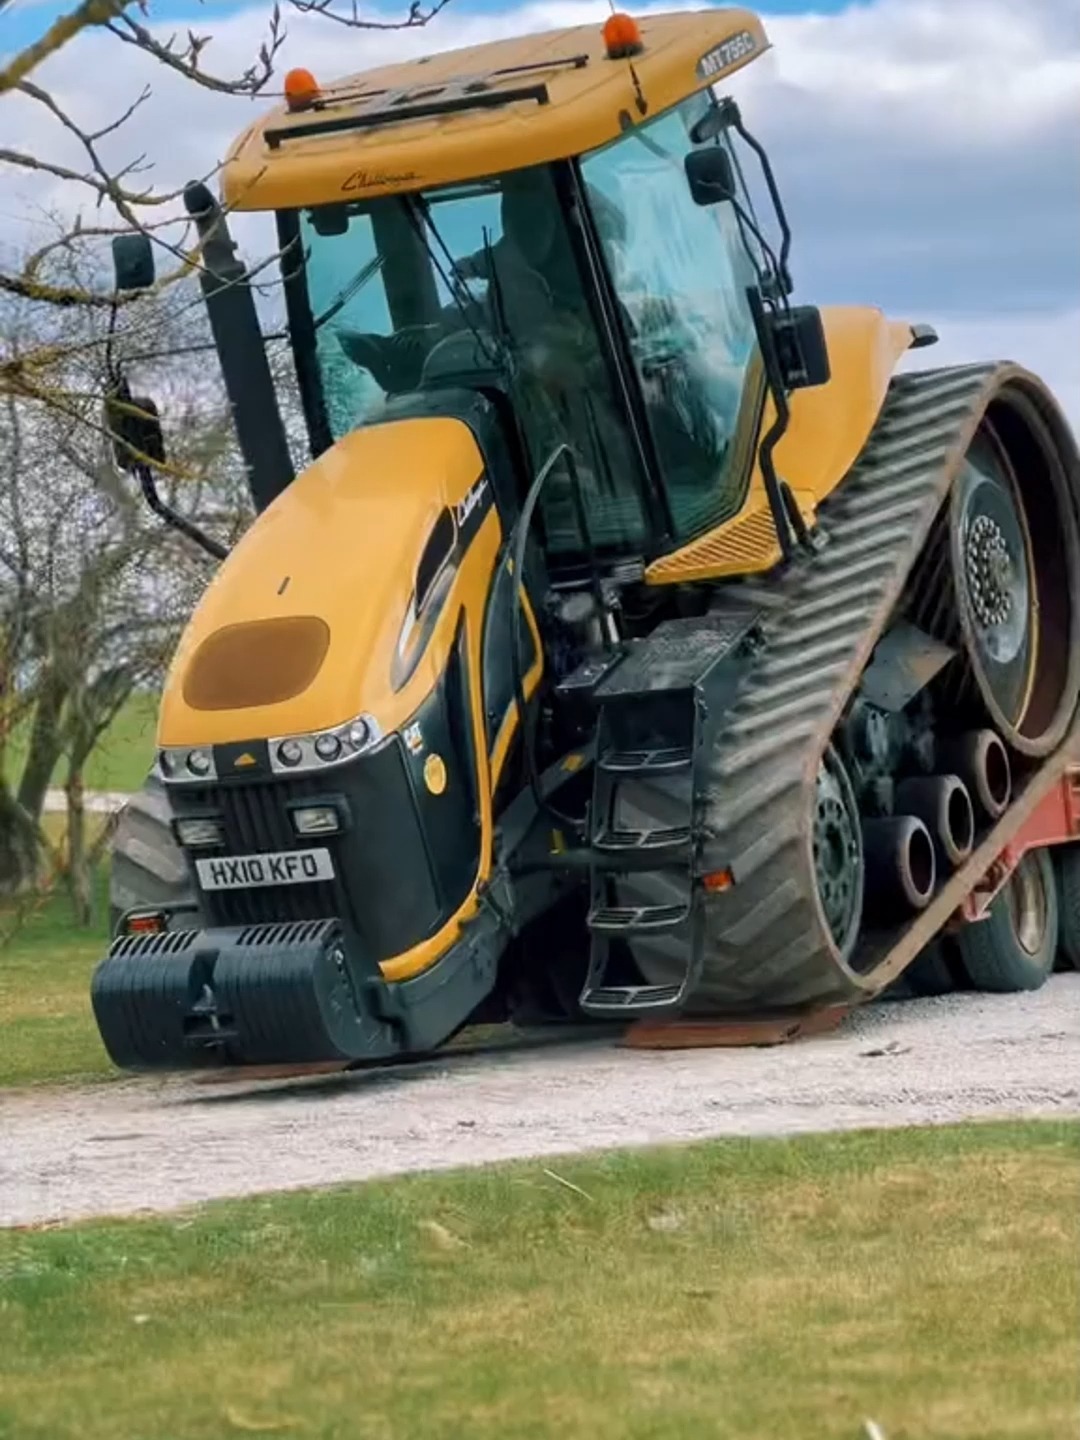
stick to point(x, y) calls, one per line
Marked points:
point(1055, 820)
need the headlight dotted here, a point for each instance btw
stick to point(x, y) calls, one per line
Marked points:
point(316, 820)
point(200, 833)
point(186, 763)
point(328, 747)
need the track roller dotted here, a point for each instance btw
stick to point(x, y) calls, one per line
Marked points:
point(901, 869)
point(982, 763)
point(944, 806)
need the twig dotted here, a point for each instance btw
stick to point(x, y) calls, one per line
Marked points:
point(569, 1184)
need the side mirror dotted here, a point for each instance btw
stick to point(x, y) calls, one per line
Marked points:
point(135, 428)
point(710, 175)
point(330, 219)
point(133, 262)
point(802, 351)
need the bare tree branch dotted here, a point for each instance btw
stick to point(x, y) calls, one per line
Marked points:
point(353, 20)
point(59, 34)
point(39, 372)
point(186, 60)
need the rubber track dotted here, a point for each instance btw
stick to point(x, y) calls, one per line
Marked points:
point(766, 943)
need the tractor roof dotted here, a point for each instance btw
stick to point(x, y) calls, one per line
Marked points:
point(464, 114)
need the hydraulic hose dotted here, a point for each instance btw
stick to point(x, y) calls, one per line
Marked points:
point(518, 540)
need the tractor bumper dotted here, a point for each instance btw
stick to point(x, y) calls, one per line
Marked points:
point(260, 994)
point(280, 994)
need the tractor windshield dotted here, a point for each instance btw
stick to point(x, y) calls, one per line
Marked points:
point(465, 285)
point(681, 272)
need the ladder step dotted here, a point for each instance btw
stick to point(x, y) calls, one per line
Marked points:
point(637, 919)
point(631, 999)
point(646, 762)
point(658, 845)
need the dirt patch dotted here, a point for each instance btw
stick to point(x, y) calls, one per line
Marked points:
point(141, 1145)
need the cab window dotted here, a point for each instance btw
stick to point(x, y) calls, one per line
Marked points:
point(476, 284)
point(680, 273)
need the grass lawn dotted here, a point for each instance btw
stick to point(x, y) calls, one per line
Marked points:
point(47, 1030)
point(123, 755)
point(762, 1289)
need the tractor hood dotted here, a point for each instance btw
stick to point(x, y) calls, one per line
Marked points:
point(315, 617)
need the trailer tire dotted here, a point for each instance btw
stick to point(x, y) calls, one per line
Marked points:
point(1068, 886)
point(1014, 948)
point(148, 867)
point(931, 973)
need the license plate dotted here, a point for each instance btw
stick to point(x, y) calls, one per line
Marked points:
point(250, 872)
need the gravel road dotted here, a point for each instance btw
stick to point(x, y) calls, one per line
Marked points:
point(143, 1145)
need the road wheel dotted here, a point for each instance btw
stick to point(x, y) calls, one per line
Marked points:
point(1014, 947)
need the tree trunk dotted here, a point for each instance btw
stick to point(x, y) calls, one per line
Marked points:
point(79, 880)
point(20, 846)
point(45, 748)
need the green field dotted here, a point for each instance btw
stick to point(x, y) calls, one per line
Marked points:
point(123, 755)
point(47, 1031)
point(757, 1290)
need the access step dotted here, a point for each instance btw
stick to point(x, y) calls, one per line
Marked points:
point(623, 920)
point(631, 849)
point(665, 761)
point(635, 1000)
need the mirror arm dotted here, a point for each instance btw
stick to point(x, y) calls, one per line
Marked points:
point(148, 485)
point(774, 488)
point(732, 116)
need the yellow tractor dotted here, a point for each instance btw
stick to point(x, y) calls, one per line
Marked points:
point(634, 642)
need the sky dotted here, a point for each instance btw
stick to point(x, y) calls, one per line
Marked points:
point(928, 150)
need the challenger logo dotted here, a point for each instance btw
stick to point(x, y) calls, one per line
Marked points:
point(376, 179)
point(464, 508)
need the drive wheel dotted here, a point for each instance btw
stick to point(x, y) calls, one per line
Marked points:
point(1015, 551)
point(148, 867)
point(1014, 947)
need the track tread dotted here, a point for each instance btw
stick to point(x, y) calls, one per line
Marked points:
point(766, 942)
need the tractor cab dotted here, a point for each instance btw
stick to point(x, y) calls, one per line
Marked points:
point(595, 301)
point(559, 225)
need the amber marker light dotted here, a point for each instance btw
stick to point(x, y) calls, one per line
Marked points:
point(145, 924)
point(717, 880)
point(301, 89)
point(622, 37)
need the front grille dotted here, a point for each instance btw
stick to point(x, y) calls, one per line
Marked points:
point(256, 820)
point(384, 888)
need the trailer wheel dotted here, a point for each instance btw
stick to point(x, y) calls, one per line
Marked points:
point(1014, 947)
point(934, 971)
point(1067, 865)
point(148, 867)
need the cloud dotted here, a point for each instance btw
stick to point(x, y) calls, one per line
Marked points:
point(926, 148)
point(1049, 344)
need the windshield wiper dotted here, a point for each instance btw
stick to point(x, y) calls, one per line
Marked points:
point(350, 291)
point(419, 214)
